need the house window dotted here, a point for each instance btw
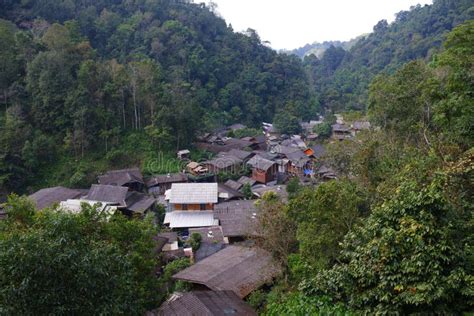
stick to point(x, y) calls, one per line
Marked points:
point(203, 207)
point(185, 207)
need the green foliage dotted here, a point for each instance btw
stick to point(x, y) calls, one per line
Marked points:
point(293, 187)
point(341, 78)
point(411, 255)
point(166, 280)
point(257, 299)
point(247, 132)
point(195, 241)
point(247, 191)
point(86, 76)
point(299, 304)
point(323, 130)
point(287, 123)
point(324, 216)
point(82, 263)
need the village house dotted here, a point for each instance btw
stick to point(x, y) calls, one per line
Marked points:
point(299, 164)
point(233, 184)
point(204, 303)
point(129, 203)
point(196, 169)
point(48, 197)
point(74, 206)
point(167, 241)
point(224, 164)
point(158, 185)
point(263, 170)
point(340, 132)
point(131, 178)
point(246, 180)
point(235, 268)
point(212, 241)
point(191, 205)
point(359, 126)
point(227, 193)
point(183, 154)
point(238, 219)
point(279, 190)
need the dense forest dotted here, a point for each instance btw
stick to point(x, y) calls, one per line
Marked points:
point(87, 86)
point(87, 80)
point(341, 78)
point(394, 234)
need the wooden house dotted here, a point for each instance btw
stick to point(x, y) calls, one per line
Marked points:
point(340, 132)
point(158, 185)
point(263, 170)
point(191, 205)
point(235, 268)
point(131, 178)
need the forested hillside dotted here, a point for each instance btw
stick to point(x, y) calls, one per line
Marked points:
point(318, 49)
point(394, 233)
point(341, 78)
point(83, 79)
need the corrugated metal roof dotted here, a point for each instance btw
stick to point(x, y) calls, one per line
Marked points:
point(188, 219)
point(75, 206)
point(238, 269)
point(121, 177)
point(48, 196)
point(194, 193)
point(204, 303)
point(260, 163)
point(108, 193)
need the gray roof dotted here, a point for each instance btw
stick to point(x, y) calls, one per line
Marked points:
point(186, 219)
point(360, 125)
point(193, 193)
point(238, 269)
point(227, 193)
point(340, 128)
point(260, 163)
point(169, 178)
point(170, 237)
point(237, 218)
point(318, 150)
point(47, 197)
point(241, 154)
point(139, 202)
point(244, 180)
point(212, 241)
point(223, 162)
point(108, 193)
point(280, 190)
point(233, 184)
point(204, 303)
point(121, 177)
point(298, 158)
point(285, 150)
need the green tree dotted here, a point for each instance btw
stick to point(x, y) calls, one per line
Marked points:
point(412, 255)
point(324, 216)
point(81, 262)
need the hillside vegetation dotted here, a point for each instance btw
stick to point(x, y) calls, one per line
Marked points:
point(87, 80)
point(341, 78)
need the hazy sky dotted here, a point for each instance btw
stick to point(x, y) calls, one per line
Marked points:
point(293, 23)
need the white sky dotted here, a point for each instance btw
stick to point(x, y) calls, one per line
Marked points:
point(291, 24)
